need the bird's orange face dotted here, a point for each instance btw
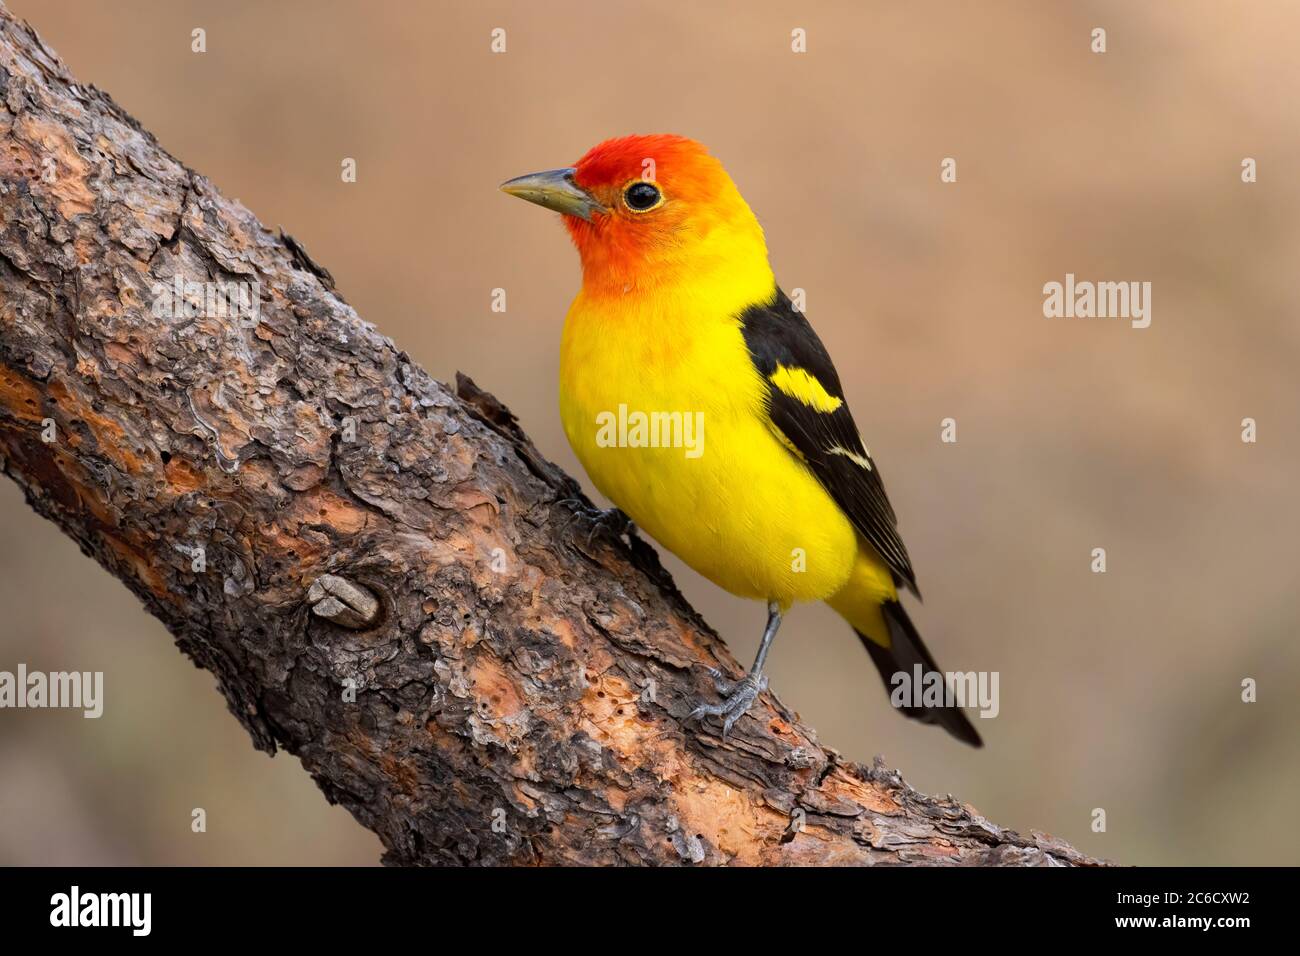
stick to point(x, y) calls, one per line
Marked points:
point(640, 209)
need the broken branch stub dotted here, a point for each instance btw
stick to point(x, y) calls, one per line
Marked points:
point(348, 605)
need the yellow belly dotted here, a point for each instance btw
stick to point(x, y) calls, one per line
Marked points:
point(732, 502)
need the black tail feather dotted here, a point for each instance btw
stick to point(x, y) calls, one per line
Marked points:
point(906, 650)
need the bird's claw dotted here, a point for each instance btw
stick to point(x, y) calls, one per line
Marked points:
point(612, 521)
point(738, 697)
point(720, 681)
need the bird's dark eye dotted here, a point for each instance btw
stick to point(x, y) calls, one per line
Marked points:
point(642, 196)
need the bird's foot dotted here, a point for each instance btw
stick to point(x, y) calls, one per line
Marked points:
point(738, 697)
point(611, 521)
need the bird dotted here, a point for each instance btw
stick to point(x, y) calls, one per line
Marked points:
point(700, 401)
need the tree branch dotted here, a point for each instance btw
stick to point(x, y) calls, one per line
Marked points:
point(378, 571)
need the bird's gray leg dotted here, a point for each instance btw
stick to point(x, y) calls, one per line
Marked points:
point(738, 696)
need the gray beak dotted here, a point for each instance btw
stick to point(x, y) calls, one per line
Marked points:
point(554, 189)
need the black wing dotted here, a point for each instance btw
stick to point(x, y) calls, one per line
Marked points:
point(819, 426)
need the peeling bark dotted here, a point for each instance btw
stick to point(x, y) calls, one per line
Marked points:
point(378, 570)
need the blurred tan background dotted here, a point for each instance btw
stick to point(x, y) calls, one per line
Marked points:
point(1119, 691)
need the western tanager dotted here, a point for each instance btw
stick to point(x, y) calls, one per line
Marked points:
point(701, 403)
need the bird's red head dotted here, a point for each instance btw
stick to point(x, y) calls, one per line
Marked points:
point(645, 210)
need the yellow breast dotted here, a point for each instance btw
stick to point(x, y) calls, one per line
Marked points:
point(665, 410)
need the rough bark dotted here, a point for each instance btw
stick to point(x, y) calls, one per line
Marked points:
point(521, 691)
